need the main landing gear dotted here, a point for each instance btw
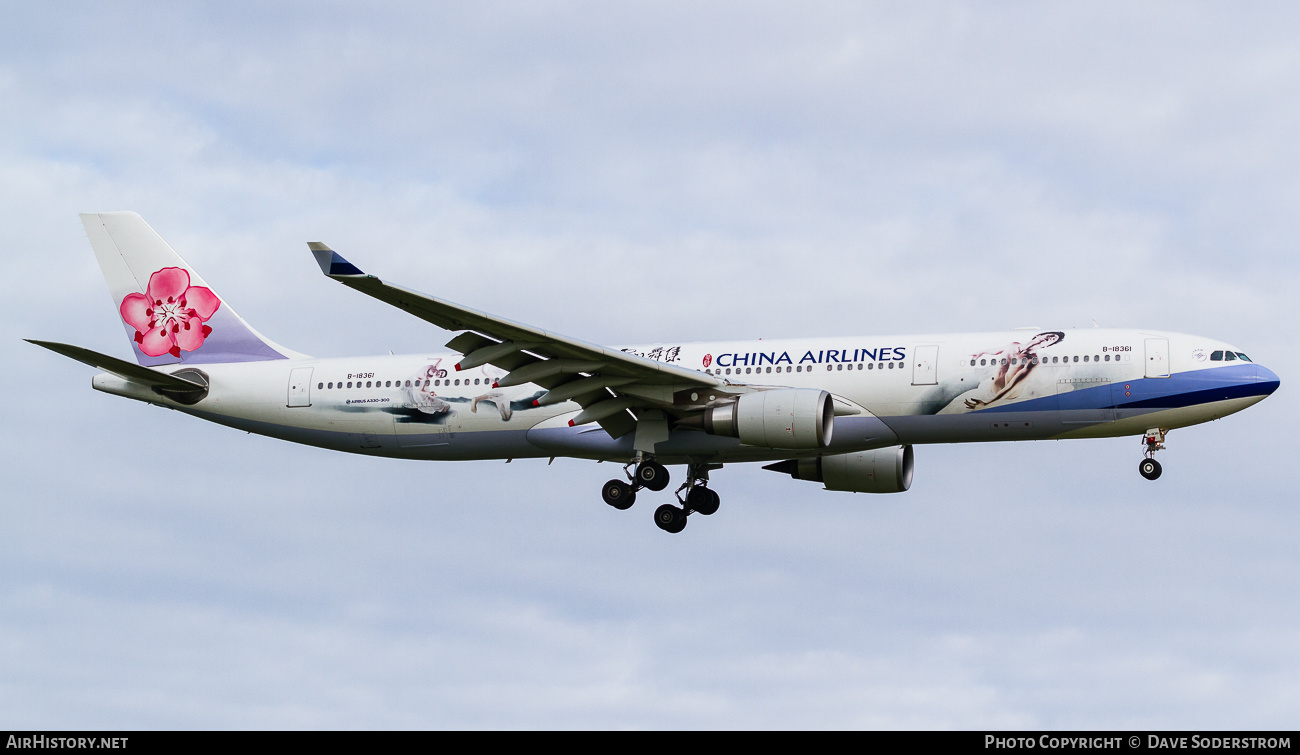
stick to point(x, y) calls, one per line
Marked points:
point(694, 495)
point(1153, 441)
point(649, 474)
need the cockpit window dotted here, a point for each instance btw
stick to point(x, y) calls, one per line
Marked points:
point(1243, 357)
point(1228, 356)
point(1216, 356)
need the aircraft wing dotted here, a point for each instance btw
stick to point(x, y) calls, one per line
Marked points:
point(605, 382)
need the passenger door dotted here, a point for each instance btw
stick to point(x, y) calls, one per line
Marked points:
point(300, 386)
point(925, 365)
point(1157, 362)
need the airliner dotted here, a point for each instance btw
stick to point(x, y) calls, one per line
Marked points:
point(845, 412)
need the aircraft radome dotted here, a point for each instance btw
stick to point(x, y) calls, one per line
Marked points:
point(842, 411)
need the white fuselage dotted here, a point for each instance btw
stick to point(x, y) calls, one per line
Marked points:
point(1018, 385)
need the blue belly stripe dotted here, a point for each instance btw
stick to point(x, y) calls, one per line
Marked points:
point(1191, 398)
point(1176, 391)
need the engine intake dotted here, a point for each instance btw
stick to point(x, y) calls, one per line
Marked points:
point(883, 470)
point(781, 418)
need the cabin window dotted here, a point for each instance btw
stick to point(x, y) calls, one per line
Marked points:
point(1085, 357)
point(871, 365)
point(1034, 360)
point(839, 366)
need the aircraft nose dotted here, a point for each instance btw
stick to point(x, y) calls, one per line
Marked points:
point(1268, 379)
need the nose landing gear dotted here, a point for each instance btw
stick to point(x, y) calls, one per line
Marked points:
point(1153, 441)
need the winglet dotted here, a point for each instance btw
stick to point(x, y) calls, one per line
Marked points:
point(331, 262)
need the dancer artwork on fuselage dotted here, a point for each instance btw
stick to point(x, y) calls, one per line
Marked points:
point(1015, 363)
point(845, 412)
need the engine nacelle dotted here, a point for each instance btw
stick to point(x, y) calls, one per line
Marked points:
point(883, 470)
point(781, 418)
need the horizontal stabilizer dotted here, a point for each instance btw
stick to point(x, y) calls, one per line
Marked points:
point(122, 368)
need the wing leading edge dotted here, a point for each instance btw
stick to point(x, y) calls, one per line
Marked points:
point(606, 383)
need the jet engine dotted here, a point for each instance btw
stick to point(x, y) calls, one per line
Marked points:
point(883, 470)
point(781, 418)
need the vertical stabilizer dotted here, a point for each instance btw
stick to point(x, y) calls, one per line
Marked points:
point(170, 314)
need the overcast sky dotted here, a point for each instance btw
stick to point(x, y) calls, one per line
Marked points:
point(625, 174)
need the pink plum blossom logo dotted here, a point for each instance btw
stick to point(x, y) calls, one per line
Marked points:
point(169, 317)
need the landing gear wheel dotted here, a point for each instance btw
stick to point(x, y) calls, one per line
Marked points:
point(670, 518)
point(1149, 468)
point(618, 494)
point(652, 475)
point(701, 500)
